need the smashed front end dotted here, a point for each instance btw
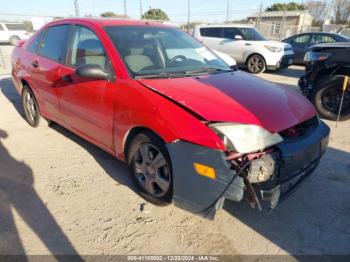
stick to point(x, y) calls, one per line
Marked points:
point(204, 177)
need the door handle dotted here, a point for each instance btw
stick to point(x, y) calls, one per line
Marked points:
point(35, 64)
point(67, 79)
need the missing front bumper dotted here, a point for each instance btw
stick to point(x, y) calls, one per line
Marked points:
point(203, 196)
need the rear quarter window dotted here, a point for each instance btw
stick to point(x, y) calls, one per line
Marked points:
point(33, 47)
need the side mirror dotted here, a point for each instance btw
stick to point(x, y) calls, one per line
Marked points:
point(238, 37)
point(93, 71)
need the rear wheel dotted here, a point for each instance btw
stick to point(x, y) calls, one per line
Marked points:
point(327, 98)
point(256, 64)
point(31, 109)
point(150, 167)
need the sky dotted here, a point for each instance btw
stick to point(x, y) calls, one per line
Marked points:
point(201, 10)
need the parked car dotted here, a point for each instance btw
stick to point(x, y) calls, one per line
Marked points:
point(12, 33)
point(247, 46)
point(193, 131)
point(302, 42)
point(326, 67)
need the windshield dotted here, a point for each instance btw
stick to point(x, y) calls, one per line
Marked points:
point(151, 51)
point(251, 34)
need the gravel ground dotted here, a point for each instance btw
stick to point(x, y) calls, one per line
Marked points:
point(62, 195)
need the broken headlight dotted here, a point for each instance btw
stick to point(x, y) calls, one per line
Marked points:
point(245, 138)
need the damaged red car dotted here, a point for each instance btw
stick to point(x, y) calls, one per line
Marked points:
point(193, 130)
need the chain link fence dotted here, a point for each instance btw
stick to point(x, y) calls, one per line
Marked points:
point(13, 29)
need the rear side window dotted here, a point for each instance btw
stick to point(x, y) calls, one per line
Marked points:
point(1, 28)
point(53, 43)
point(33, 47)
point(15, 27)
point(211, 32)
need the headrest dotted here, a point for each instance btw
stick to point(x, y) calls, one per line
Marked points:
point(136, 50)
point(92, 47)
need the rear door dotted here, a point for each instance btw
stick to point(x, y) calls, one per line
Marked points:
point(45, 67)
point(87, 104)
point(212, 36)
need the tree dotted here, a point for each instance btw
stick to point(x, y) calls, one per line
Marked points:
point(155, 14)
point(292, 6)
point(318, 9)
point(341, 11)
point(112, 14)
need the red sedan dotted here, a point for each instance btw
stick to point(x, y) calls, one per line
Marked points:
point(193, 130)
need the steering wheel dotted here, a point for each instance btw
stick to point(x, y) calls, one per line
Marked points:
point(181, 57)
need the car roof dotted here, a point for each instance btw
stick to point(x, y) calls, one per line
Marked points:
point(111, 21)
point(226, 25)
point(317, 33)
point(337, 45)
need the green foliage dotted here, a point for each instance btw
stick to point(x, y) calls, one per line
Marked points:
point(155, 14)
point(112, 14)
point(292, 6)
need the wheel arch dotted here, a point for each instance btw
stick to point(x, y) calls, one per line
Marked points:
point(133, 132)
point(254, 53)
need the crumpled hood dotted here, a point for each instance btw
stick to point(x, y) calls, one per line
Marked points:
point(237, 98)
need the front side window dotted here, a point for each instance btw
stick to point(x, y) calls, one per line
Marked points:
point(318, 38)
point(53, 42)
point(1, 28)
point(86, 48)
point(251, 34)
point(231, 32)
point(163, 52)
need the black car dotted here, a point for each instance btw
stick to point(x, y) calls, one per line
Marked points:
point(324, 79)
point(302, 42)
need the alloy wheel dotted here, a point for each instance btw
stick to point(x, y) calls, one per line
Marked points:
point(30, 107)
point(256, 64)
point(152, 170)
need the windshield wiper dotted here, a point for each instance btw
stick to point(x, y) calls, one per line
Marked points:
point(208, 70)
point(162, 75)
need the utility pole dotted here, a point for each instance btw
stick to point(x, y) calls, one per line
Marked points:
point(141, 13)
point(227, 11)
point(76, 7)
point(188, 15)
point(259, 16)
point(125, 11)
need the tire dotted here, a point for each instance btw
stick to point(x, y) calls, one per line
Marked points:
point(14, 40)
point(256, 64)
point(326, 98)
point(31, 109)
point(150, 168)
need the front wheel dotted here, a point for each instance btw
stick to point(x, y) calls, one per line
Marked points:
point(256, 64)
point(327, 99)
point(151, 168)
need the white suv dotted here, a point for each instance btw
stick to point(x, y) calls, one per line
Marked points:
point(12, 33)
point(247, 46)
